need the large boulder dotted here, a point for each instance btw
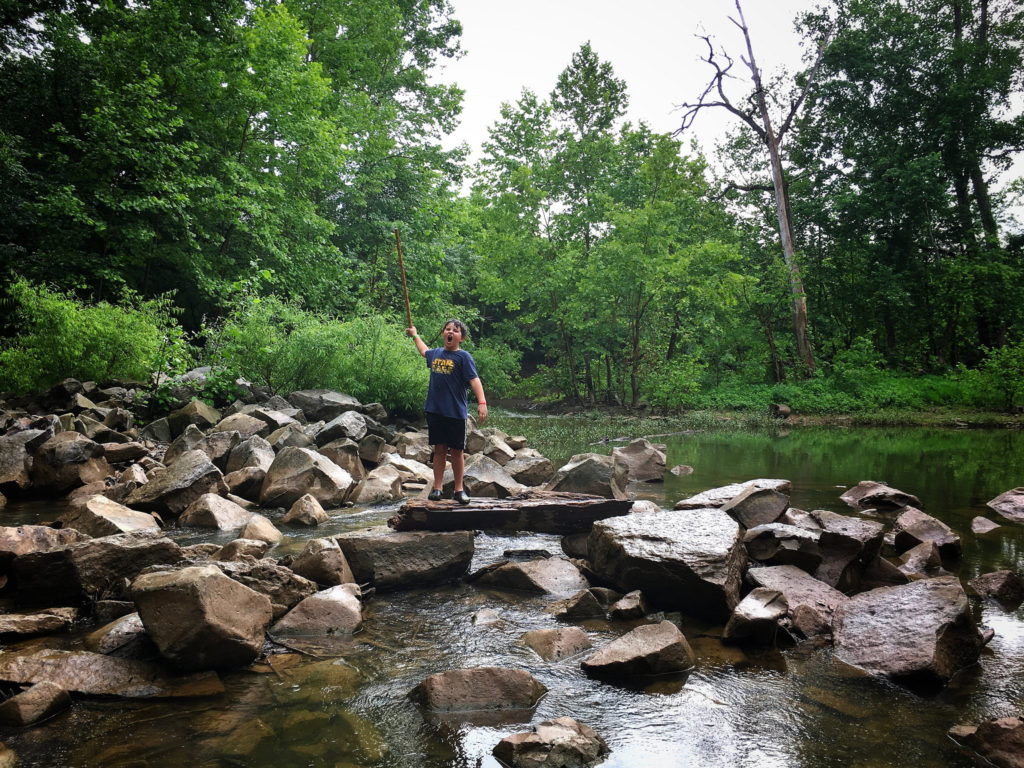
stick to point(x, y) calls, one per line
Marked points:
point(40, 702)
point(305, 511)
point(322, 561)
point(559, 743)
point(812, 603)
point(478, 689)
point(592, 474)
point(999, 741)
point(483, 477)
point(24, 539)
point(848, 545)
point(254, 452)
point(260, 528)
point(922, 632)
point(322, 404)
point(414, 445)
point(216, 445)
point(868, 494)
point(530, 470)
point(298, 471)
point(331, 611)
point(381, 484)
point(350, 425)
point(201, 619)
point(390, 560)
point(282, 586)
point(914, 527)
point(645, 461)
point(1010, 504)
point(244, 425)
point(543, 575)
point(97, 515)
point(1005, 587)
point(68, 460)
point(716, 497)
point(650, 649)
point(196, 413)
point(756, 619)
point(16, 460)
point(692, 561)
point(345, 453)
point(755, 506)
point(90, 569)
point(782, 544)
point(176, 487)
point(213, 511)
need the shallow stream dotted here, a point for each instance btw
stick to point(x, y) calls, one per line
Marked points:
point(791, 708)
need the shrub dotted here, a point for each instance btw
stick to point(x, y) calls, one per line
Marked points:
point(675, 384)
point(498, 366)
point(59, 336)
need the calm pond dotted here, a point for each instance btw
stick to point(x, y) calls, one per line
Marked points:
point(791, 708)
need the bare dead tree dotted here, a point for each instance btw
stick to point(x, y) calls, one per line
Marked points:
point(755, 115)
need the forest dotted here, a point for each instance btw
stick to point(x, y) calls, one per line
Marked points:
point(219, 182)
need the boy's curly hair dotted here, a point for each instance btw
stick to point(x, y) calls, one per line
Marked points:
point(461, 326)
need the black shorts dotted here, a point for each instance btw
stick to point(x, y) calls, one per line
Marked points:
point(444, 430)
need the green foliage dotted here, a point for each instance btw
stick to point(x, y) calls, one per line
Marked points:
point(498, 366)
point(676, 384)
point(1002, 375)
point(60, 336)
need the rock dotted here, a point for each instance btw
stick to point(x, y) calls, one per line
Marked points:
point(414, 445)
point(246, 482)
point(651, 649)
point(66, 461)
point(780, 410)
point(881, 573)
point(99, 516)
point(97, 675)
point(914, 527)
point(389, 560)
point(323, 561)
point(323, 404)
point(545, 575)
point(298, 471)
point(351, 425)
point(290, 435)
point(253, 452)
point(781, 544)
point(983, 525)
point(305, 511)
point(44, 622)
point(919, 632)
point(90, 569)
point(260, 528)
point(530, 470)
point(158, 431)
point(478, 689)
point(755, 506)
point(409, 469)
point(274, 418)
point(999, 741)
point(371, 448)
point(175, 488)
point(582, 605)
point(557, 644)
point(124, 637)
point(382, 484)
point(922, 560)
point(575, 545)
point(756, 619)
point(1005, 587)
point(484, 477)
point(868, 494)
point(201, 619)
point(681, 470)
point(1010, 504)
point(195, 413)
point(593, 474)
point(284, 588)
point(630, 606)
point(560, 742)
point(496, 449)
point(40, 702)
point(25, 539)
point(213, 511)
point(239, 549)
point(716, 497)
point(693, 561)
point(847, 545)
point(645, 461)
point(190, 439)
point(122, 453)
point(16, 460)
point(242, 423)
point(335, 610)
point(812, 603)
point(345, 453)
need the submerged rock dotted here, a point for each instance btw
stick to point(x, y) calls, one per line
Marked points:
point(557, 644)
point(1000, 741)
point(560, 743)
point(477, 689)
point(544, 575)
point(1005, 587)
point(868, 494)
point(40, 702)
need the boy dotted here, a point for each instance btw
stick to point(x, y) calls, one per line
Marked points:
point(451, 371)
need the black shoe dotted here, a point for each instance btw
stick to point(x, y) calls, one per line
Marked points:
point(434, 495)
point(461, 497)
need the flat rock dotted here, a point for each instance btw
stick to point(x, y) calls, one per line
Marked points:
point(812, 603)
point(98, 675)
point(331, 611)
point(692, 561)
point(25, 539)
point(868, 494)
point(544, 575)
point(716, 497)
point(1010, 504)
point(40, 702)
point(43, 622)
point(240, 549)
point(395, 560)
point(914, 527)
point(557, 743)
point(921, 632)
point(477, 689)
point(983, 525)
point(322, 404)
point(651, 649)
point(557, 644)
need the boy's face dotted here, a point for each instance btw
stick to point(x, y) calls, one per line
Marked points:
point(452, 337)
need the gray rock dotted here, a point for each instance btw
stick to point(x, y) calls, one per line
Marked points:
point(284, 588)
point(781, 544)
point(324, 404)
point(305, 511)
point(124, 637)
point(414, 445)
point(1009, 504)
point(544, 575)
point(557, 644)
point(562, 742)
point(914, 527)
point(812, 603)
point(496, 449)
point(345, 453)
point(213, 511)
point(390, 560)
point(582, 605)
point(630, 606)
point(592, 474)
point(478, 689)
point(322, 561)
point(371, 448)
point(245, 425)
point(196, 413)
point(332, 611)
point(25, 539)
point(1005, 587)
point(922, 560)
point(716, 497)
point(921, 632)
point(651, 649)
point(253, 452)
point(983, 525)
point(158, 431)
point(298, 471)
point(16, 460)
point(645, 461)
point(693, 561)
point(868, 494)
point(99, 516)
point(755, 506)
point(201, 619)
point(847, 545)
point(246, 483)
point(350, 425)
point(176, 487)
point(40, 702)
point(381, 484)
point(756, 619)
point(484, 477)
point(530, 470)
point(122, 453)
point(68, 460)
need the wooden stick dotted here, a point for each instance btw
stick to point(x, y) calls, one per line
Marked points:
point(405, 288)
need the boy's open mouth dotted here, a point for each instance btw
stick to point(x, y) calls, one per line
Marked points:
point(451, 338)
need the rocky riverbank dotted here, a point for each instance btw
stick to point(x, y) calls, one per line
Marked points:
point(169, 620)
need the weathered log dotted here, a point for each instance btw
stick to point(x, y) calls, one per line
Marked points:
point(539, 511)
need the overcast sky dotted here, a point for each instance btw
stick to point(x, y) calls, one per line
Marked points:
point(651, 44)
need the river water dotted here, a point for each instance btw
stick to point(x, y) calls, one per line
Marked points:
point(796, 707)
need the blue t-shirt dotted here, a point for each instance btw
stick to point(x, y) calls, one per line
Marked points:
point(450, 374)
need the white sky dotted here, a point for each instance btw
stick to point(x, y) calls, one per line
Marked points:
point(651, 44)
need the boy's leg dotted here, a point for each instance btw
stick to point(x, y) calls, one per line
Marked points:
point(458, 467)
point(440, 459)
